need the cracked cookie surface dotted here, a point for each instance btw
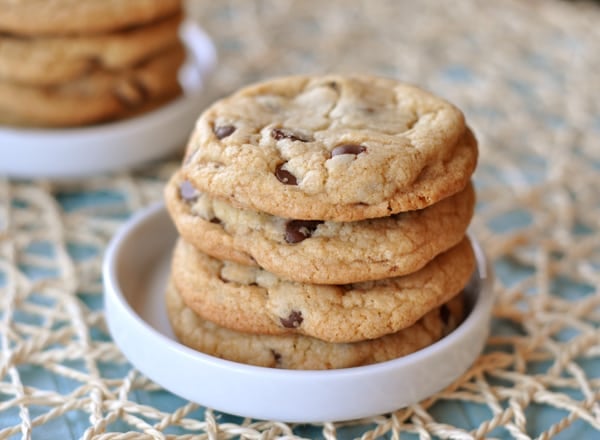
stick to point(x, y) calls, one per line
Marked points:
point(250, 299)
point(331, 147)
point(319, 252)
point(303, 352)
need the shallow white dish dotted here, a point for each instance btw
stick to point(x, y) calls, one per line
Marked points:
point(135, 273)
point(79, 152)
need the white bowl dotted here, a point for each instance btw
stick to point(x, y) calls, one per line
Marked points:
point(68, 153)
point(135, 273)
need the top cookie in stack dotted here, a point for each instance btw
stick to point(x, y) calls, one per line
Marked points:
point(68, 63)
point(331, 148)
point(332, 208)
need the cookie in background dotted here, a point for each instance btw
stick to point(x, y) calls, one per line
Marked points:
point(73, 63)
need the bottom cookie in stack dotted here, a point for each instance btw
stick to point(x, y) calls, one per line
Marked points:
point(299, 352)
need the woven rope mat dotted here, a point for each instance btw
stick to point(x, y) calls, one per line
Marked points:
point(526, 75)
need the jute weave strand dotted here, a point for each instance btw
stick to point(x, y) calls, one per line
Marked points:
point(526, 74)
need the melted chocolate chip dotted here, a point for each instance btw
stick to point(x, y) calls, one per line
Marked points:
point(276, 356)
point(223, 131)
point(285, 176)
point(286, 133)
point(348, 149)
point(216, 221)
point(299, 230)
point(293, 320)
point(187, 191)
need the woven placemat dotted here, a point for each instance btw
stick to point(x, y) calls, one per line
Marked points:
point(526, 75)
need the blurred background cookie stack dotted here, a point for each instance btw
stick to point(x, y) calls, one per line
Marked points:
point(78, 62)
point(322, 223)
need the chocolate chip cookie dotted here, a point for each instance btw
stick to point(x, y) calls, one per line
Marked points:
point(76, 17)
point(303, 352)
point(339, 148)
point(322, 252)
point(250, 299)
point(99, 96)
point(51, 60)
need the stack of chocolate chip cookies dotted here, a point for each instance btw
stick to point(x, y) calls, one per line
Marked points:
point(322, 223)
point(78, 62)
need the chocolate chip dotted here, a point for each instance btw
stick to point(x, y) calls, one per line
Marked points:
point(445, 314)
point(286, 133)
point(333, 85)
point(293, 320)
point(216, 221)
point(348, 149)
point(187, 191)
point(223, 131)
point(299, 230)
point(93, 63)
point(285, 176)
point(276, 356)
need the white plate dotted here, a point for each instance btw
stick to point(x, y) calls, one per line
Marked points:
point(135, 272)
point(78, 152)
